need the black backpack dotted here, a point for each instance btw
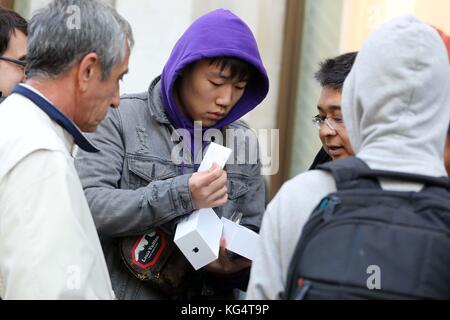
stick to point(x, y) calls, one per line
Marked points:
point(362, 242)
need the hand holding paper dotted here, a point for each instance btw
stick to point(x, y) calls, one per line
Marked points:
point(209, 188)
point(215, 154)
point(208, 185)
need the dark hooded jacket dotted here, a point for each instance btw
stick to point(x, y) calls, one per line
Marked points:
point(132, 185)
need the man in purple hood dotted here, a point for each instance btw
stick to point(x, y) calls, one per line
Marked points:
point(144, 178)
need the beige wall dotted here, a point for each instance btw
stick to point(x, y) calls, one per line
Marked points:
point(436, 12)
point(360, 17)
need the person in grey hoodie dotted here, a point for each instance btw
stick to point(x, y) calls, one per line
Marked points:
point(395, 104)
point(213, 77)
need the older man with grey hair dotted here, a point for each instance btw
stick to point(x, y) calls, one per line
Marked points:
point(78, 51)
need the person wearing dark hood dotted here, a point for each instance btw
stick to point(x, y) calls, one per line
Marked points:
point(331, 76)
point(213, 77)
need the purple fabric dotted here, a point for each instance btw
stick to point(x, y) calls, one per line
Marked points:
point(218, 33)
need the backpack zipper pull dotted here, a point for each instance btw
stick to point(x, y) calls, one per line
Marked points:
point(303, 287)
point(329, 209)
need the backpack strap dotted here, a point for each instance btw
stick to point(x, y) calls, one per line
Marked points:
point(352, 172)
point(441, 182)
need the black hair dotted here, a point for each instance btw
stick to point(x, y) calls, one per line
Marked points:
point(239, 69)
point(9, 22)
point(333, 72)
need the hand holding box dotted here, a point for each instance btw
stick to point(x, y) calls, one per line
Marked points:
point(198, 236)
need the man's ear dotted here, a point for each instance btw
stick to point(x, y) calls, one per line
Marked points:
point(88, 68)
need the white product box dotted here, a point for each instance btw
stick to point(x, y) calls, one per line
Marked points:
point(240, 239)
point(198, 237)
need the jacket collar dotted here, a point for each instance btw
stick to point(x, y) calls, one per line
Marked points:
point(156, 104)
point(53, 113)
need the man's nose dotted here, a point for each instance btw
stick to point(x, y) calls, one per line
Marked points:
point(327, 129)
point(115, 102)
point(225, 96)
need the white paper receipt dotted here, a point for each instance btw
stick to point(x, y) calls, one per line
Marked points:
point(215, 153)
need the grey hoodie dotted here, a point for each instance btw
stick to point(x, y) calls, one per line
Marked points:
point(396, 106)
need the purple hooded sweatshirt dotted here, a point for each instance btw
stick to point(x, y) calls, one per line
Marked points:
point(216, 34)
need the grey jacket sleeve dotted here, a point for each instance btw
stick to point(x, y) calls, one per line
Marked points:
point(118, 212)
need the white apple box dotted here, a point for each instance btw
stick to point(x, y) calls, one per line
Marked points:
point(198, 237)
point(240, 239)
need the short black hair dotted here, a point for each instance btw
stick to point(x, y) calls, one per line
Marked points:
point(333, 72)
point(239, 69)
point(9, 22)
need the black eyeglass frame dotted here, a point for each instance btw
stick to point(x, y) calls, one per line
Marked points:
point(18, 62)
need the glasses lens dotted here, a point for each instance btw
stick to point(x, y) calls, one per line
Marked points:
point(330, 124)
point(316, 122)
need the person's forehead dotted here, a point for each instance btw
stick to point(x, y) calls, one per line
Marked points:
point(216, 70)
point(211, 68)
point(122, 67)
point(330, 99)
point(331, 91)
point(207, 65)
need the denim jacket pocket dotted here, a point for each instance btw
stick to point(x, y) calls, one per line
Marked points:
point(236, 188)
point(238, 181)
point(144, 170)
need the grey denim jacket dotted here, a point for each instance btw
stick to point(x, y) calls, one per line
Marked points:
point(132, 185)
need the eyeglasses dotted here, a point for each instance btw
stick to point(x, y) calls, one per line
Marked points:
point(333, 123)
point(21, 63)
